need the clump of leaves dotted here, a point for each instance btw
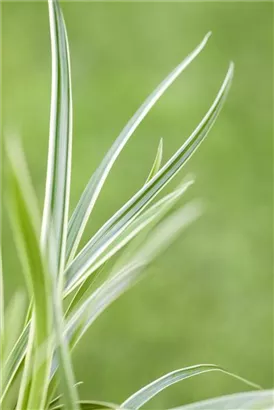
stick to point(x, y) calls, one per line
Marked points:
point(36, 348)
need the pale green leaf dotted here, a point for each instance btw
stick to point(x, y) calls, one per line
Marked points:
point(78, 270)
point(86, 203)
point(157, 162)
point(253, 400)
point(55, 220)
point(15, 360)
point(142, 396)
point(56, 204)
point(138, 225)
point(25, 221)
point(14, 315)
point(127, 275)
point(148, 218)
point(57, 400)
point(123, 277)
point(85, 288)
point(31, 370)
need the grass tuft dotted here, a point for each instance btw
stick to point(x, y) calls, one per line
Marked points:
point(36, 346)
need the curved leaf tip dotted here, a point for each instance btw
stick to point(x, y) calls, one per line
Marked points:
point(145, 394)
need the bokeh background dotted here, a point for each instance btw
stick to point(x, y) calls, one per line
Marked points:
point(209, 298)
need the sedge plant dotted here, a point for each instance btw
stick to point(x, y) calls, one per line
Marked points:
point(37, 346)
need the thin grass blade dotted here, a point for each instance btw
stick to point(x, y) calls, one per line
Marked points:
point(254, 400)
point(56, 204)
point(86, 203)
point(30, 372)
point(148, 218)
point(120, 281)
point(25, 222)
point(14, 314)
point(124, 277)
point(78, 270)
point(142, 396)
point(145, 221)
point(15, 360)
point(85, 289)
point(55, 221)
point(157, 162)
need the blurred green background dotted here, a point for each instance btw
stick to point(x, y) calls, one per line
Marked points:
point(209, 298)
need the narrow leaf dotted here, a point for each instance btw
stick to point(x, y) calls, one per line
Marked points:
point(142, 396)
point(147, 221)
point(56, 401)
point(84, 289)
point(56, 204)
point(25, 221)
point(155, 212)
point(86, 203)
point(148, 218)
point(55, 221)
point(124, 277)
point(14, 314)
point(29, 371)
point(78, 270)
point(157, 162)
point(15, 360)
point(127, 275)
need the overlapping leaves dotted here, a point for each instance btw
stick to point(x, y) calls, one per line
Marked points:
point(52, 266)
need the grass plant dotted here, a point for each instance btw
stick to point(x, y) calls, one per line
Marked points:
point(37, 343)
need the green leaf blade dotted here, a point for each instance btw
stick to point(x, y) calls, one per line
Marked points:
point(56, 204)
point(55, 221)
point(86, 203)
point(25, 222)
point(125, 276)
point(15, 360)
point(15, 314)
point(148, 217)
point(145, 394)
point(78, 270)
point(157, 162)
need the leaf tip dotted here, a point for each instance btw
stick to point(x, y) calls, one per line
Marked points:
point(231, 67)
point(208, 35)
point(206, 38)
